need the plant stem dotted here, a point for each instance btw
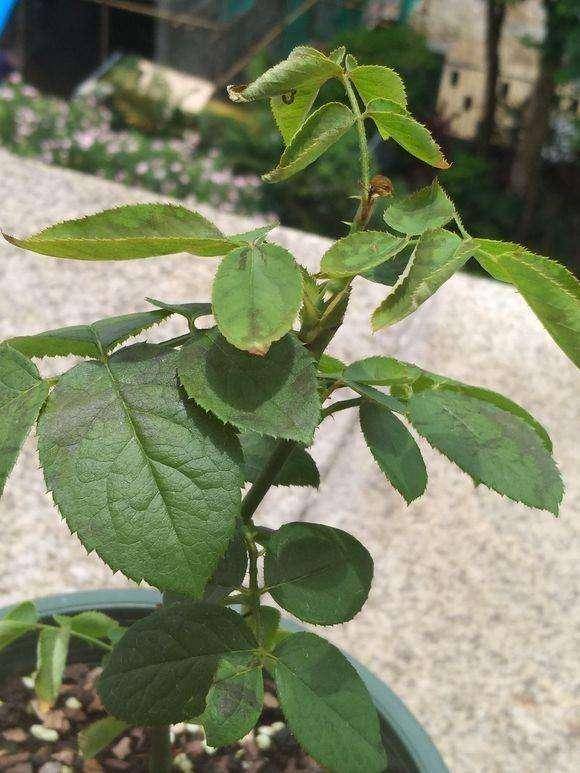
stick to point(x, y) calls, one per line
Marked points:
point(265, 479)
point(160, 760)
point(254, 594)
point(341, 405)
point(89, 639)
point(365, 158)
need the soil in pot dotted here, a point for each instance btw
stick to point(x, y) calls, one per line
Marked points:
point(33, 738)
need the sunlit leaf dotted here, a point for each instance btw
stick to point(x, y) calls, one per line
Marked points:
point(360, 252)
point(424, 210)
point(376, 82)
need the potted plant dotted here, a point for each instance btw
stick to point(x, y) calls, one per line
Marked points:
point(146, 448)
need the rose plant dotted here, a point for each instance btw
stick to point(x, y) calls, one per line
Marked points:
point(146, 448)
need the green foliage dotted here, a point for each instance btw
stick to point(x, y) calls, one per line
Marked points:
point(318, 133)
point(326, 705)
point(394, 450)
point(99, 734)
point(22, 394)
point(298, 470)
point(274, 395)
point(495, 447)
point(137, 472)
point(146, 450)
point(92, 340)
point(128, 232)
point(376, 82)
point(550, 290)
point(437, 256)
point(424, 210)
point(51, 661)
point(164, 666)
point(319, 574)
point(360, 252)
point(256, 296)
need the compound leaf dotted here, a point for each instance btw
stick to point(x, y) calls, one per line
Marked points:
point(298, 470)
point(327, 705)
point(148, 481)
point(435, 259)
point(319, 132)
point(376, 82)
point(191, 311)
point(99, 734)
point(256, 296)
point(51, 661)
point(425, 210)
point(92, 340)
point(378, 397)
point(234, 701)
point(22, 395)
point(320, 574)
point(304, 69)
point(164, 666)
point(18, 621)
point(551, 291)
point(274, 395)
point(394, 450)
point(381, 371)
point(128, 232)
point(492, 445)
point(360, 252)
point(389, 272)
point(415, 138)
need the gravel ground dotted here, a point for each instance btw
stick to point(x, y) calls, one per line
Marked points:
point(473, 619)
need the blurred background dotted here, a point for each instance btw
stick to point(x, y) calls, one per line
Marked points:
point(133, 91)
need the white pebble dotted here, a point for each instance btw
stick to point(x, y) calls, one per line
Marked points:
point(277, 726)
point(44, 733)
point(263, 741)
point(265, 730)
point(73, 703)
point(178, 728)
point(193, 729)
point(211, 750)
point(28, 682)
point(183, 762)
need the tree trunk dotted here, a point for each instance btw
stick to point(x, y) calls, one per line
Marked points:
point(495, 17)
point(526, 170)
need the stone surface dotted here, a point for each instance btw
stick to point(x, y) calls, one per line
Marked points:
point(473, 619)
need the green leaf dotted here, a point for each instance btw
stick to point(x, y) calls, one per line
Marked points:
point(274, 395)
point(191, 311)
point(18, 621)
point(255, 236)
point(230, 571)
point(377, 82)
point(128, 232)
point(95, 737)
point(495, 447)
point(148, 481)
point(320, 574)
point(164, 666)
point(51, 661)
point(268, 630)
point(327, 705)
point(386, 371)
point(298, 470)
point(234, 701)
point(319, 132)
point(381, 371)
point(22, 395)
point(378, 397)
point(389, 272)
point(290, 110)
point(256, 296)
point(551, 291)
point(304, 69)
point(424, 210)
point(436, 258)
point(360, 252)
point(394, 450)
point(95, 624)
point(409, 134)
point(88, 340)
point(330, 367)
